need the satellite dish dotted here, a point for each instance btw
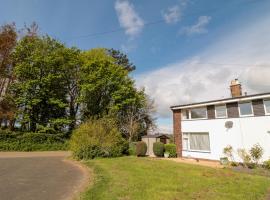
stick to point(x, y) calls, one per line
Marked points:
point(228, 124)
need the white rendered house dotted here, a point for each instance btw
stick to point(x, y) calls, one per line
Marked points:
point(203, 130)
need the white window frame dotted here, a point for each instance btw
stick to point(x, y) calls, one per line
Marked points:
point(266, 113)
point(188, 114)
point(195, 150)
point(249, 115)
point(225, 110)
point(190, 118)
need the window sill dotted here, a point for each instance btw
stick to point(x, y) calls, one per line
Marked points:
point(198, 151)
point(252, 115)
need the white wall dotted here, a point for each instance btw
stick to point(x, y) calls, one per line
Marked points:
point(244, 134)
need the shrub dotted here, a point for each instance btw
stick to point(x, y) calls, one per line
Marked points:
point(266, 164)
point(256, 153)
point(158, 148)
point(18, 141)
point(228, 151)
point(97, 138)
point(141, 148)
point(251, 165)
point(171, 149)
point(243, 154)
point(234, 164)
point(132, 148)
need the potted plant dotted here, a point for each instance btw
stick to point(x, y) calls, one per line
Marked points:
point(224, 161)
point(166, 154)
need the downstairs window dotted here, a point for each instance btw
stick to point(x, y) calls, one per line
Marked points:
point(196, 142)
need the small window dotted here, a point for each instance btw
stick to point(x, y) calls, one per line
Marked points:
point(221, 111)
point(185, 114)
point(245, 109)
point(267, 106)
point(198, 113)
point(196, 142)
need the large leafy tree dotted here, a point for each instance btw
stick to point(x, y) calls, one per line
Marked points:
point(40, 88)
point(8, 40)
point(106, 89)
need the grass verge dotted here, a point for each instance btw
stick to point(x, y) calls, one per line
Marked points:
point(131, 178)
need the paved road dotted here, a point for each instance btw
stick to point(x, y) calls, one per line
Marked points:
point(39, 176)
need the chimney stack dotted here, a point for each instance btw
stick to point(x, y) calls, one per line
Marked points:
point(236, 88)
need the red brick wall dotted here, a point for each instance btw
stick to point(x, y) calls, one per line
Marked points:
point(177, 132)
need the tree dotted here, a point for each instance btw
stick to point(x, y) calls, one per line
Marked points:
point(106, 89)
point(121, 59)
point(8, 40)
point(137, 118)
point(104, 84)
point(40, 88)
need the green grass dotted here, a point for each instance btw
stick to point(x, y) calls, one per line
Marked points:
point(131, 178)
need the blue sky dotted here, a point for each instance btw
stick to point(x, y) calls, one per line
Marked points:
point(189, 54)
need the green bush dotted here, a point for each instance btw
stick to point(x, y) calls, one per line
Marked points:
point(141, 148)
point(97, 138)
point(158, 148)
point(266, 164)
point(256, 153)
point(171, 149)
point(18, 141)
point(234, 164)
point(251, 165)
point(243, 154)
point(132, 149)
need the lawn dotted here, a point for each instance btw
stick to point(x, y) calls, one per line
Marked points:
point(131, 178)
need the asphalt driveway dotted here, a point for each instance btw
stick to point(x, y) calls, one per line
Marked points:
point(42, 176)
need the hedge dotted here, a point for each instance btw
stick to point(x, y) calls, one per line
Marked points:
point(158, 148)
point(141, 148)
point(171, 149)
point(18, 141)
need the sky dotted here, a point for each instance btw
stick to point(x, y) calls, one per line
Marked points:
point(184, 50)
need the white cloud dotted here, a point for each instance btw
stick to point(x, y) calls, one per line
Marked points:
point(172, 15)
point(199, 28)
point(128, 18)
point(203, 77)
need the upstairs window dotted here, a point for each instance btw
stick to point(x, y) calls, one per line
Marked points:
point(198, 113)
point(267, 106)
point(245, 109)
point(221, 111)
point(185, 114)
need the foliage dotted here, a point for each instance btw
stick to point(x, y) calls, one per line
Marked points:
point(46, 87)
point(121, 59)
point(266, 164)
point(40, 90)
point(17, 141)
point(234, 164)
point(243, 154)
point(107, 89)
point(147, 179)
point(251, 165)
point(171, 149)
point(97, 138)
point(158, 149)
point(132, 148)
point(228, 151)
point(256, 153)
point(8, 40)
point(141, 148)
